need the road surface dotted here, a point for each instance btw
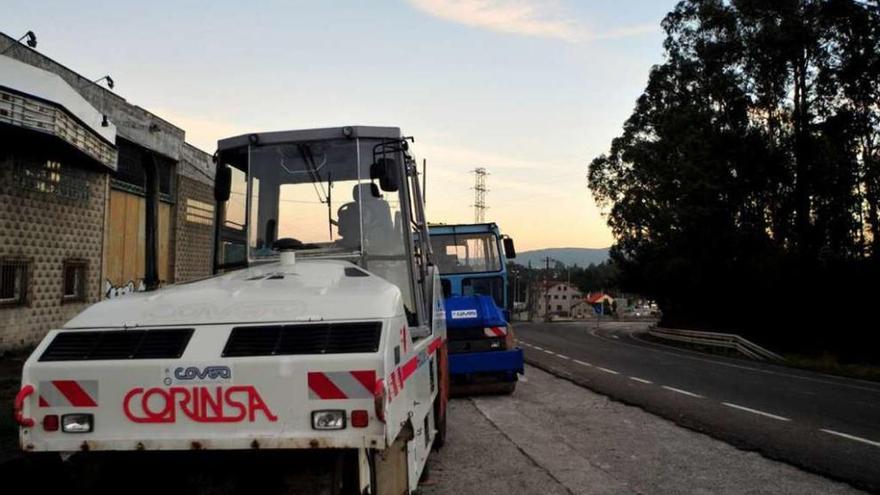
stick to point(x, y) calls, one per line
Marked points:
point(824, 424)
point(554, 437)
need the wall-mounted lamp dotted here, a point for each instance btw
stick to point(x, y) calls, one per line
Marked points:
point(107, 78)
point(105, 122)
point(31, 41)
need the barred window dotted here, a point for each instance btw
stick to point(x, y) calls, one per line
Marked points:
point(75, 280)
point(51, 177)
point(13, 282)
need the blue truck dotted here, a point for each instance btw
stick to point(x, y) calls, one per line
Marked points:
point(483, 357)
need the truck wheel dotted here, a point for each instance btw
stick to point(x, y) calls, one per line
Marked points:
point(507, 388)
point(345, 474)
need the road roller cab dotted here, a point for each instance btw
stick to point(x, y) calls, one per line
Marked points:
point(483, 357)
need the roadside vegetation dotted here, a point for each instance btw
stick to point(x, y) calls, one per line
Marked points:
point(744, 191)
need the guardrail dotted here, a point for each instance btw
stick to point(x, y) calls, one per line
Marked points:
point(714, 339)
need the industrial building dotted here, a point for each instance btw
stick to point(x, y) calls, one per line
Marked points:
point(98, 197)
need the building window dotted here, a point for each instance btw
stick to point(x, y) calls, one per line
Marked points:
point(564, 296)
point(52, 177)
point(558, 307)
point(131, 164)
point(13, 282)
point(75, 280)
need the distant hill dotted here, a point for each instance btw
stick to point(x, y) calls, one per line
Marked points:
point(570, 256)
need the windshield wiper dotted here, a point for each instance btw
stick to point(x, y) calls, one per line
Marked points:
point(309, 159)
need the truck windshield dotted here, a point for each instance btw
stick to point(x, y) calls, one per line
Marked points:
point(466, 253)
point(320, 195)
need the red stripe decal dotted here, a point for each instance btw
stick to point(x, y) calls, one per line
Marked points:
point(434, 345)
point(74, 393)
point(498, 331)
point(394, 388)
point(323, 387)
point(366, 378)
point(43, 402)
point(410, 367)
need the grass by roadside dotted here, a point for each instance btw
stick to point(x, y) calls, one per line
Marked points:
point(825, 363)
point(830, 363)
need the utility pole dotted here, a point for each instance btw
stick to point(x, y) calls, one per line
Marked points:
point(546, 289)
point(480, 191)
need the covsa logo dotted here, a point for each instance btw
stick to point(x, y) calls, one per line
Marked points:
point(184, 374)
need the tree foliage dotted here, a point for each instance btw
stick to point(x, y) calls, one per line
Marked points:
point(744, 190)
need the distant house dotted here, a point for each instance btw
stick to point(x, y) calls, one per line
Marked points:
point(557, 298)
point(598, 298)
point(586, 306)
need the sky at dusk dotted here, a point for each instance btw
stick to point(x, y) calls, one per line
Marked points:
point(532, 90)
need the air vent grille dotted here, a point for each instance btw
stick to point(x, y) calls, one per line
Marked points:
point(324, 338)
point(118, 344)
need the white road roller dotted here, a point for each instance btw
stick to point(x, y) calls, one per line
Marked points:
point(322, 332)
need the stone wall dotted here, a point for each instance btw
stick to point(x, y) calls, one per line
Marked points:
point(194, 232)
point(45, 229)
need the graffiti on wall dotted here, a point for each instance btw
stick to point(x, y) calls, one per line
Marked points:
point(111, 291)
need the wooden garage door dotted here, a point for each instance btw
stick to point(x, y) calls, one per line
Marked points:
point(125, 254)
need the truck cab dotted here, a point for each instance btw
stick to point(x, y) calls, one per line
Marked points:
point(322, 330)
point(483, 356)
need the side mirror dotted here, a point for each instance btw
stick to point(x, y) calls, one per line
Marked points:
point(386, 170)
point(222, 183)
point(509, 250)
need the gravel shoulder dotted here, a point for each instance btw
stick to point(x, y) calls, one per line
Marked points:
point(552, 436)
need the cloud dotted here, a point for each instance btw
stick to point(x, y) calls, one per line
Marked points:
point(538, 18)
point(525, 17)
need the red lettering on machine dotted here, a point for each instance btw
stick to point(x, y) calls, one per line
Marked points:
point(201, 404)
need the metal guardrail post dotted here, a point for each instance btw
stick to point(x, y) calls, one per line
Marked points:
point(716, 339)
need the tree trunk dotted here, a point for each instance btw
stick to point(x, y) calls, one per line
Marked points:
point(801, 155)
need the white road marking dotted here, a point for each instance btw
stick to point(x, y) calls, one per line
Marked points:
point(680, 391)
point(755, 411)
point(640, 380)
point(550, 352)
point(582, 363)
point(538, 348)
point(614, 336)
point(852, 437)
point(833, 380)
point(606, 370)
point(563, 357)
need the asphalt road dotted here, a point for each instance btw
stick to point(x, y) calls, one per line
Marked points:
point(554, 437)
point(824, 424)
